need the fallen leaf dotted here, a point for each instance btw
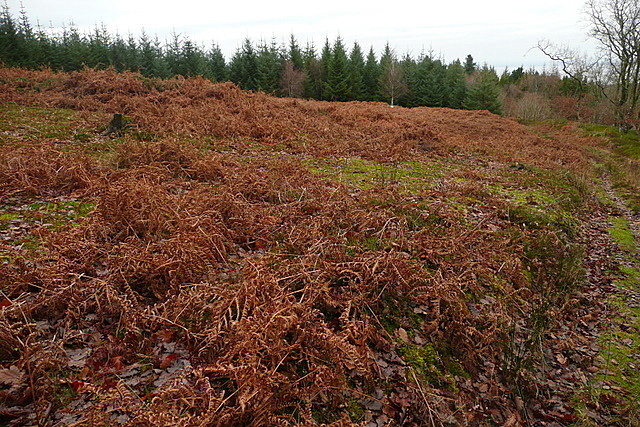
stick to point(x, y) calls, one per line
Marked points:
point(402, 333)
point(11, 376)
point(561, 359)
point(168, 361)
point(78, 357)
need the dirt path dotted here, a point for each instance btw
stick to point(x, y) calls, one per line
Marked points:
point(578, 382)
point(600, 322)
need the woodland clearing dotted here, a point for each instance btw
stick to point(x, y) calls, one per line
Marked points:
point(233, 258)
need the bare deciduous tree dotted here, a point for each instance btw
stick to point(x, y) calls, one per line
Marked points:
point(393, 84)
point(292, 81)
point(615, 24)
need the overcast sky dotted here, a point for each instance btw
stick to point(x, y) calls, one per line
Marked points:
point(500, 33)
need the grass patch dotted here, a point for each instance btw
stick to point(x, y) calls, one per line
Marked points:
point(366, 174)
point(19, 123)
point(626, 144)
point(622, 235)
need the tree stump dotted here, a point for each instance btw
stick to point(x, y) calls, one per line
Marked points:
point(117, 126)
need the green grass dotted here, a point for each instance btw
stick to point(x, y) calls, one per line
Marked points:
point(626, 144)
point(622, 235)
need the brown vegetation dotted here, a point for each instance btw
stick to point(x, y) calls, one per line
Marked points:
point(220, 281)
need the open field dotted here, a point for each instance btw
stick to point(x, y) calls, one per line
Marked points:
point(232, 258)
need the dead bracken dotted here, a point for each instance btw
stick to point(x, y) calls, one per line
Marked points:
point(239, 259)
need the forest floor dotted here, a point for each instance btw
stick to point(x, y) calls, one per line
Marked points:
point(231, 258)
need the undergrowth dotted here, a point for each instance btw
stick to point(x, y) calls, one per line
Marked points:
point(236, 259)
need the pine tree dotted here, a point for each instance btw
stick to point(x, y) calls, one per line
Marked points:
point(336, 87)
point(356, 73)
point(485, 93)
point(371, 77)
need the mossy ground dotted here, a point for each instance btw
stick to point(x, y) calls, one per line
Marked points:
point(365, 174)
point(21, 123)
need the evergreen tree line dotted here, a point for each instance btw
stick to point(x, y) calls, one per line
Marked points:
point(335, 73)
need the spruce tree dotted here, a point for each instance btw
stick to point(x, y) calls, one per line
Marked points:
point(216, 64)
point(47, 50)
point(430, 88)
point(172, 53)
point(456, 84)
point(117, 55)
point(148, 55)
point(469, 65)
point(192, 62)
point(10, 46)
point(74, 49)
point(313, 70)
point(336, 87)
point(28, 43)
point(269, 67)
point(371, 77)
point(325, 59)
point(356, 73)
point(99, 55)
point(409, 71)
point(132, 57)
point(243, 69)
point(161, 67)
point(485, 93)
point(294, 54)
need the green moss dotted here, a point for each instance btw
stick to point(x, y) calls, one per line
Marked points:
point(365, 174)
point(355, 410)
point(8, 217)
point(61, 213)
point(626, 144)
point(622, 235)
point(427, 365)
point(618, 381)
point(20, 123)
point(423, 359)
